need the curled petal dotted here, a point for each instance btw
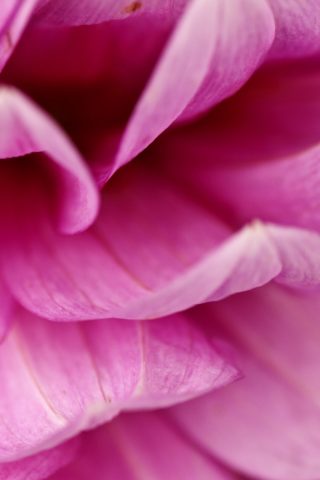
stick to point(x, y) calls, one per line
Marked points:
point(140, 446)
point(71, 377)
point(26, 129)
point(274, 411)
point(216, 46)
point(153, 251)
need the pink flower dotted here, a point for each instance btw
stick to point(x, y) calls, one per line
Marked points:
point(160, 161)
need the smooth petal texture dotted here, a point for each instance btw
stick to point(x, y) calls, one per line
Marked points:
point(42, 465)
point(60, 379)
point(14, 16)
point(183, 255)
point(297, 28)
point(267, 424)
point(266, 169)
point(154, 250)
point(26, 129)
point(140, 446)
point(286, 191)
point(80, 12)
point(211, 53)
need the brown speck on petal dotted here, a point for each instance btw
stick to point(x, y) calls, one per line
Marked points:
point(132, 7)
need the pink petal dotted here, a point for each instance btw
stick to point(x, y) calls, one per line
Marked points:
point(267, 424)
point(284, 96)
point(299, 254)
point(79, 12)
point(153, 251)
point(14, 16)
point(297, 28)
point(89, 94)
point(26, 129)
point(60, 379)
point(285, 191)
point(266, 169)
point(40, 466)
point(214, 49)
point(140, 446)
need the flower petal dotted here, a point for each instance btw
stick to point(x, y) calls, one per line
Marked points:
point(26, 129)
point(266, 169)
point(60, 379)
point(267, 424)
point(14, 16)
point(154, 250)
point(297, 28)
point(284, 96)
point(140, 446)
point(80, 12)
point(213, 51)
point(42, 465)
point(285, 191)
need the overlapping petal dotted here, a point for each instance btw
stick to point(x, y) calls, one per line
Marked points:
point(14, 16)
point(141, 446)
point(26, 129)
point(265, 169)
point(59, 379)
point(41, 465)
point(274, 116)
point(159, 247)
point(267, 424)
point(214, 49)
point(154, 250)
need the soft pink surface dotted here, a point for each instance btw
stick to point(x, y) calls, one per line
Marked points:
point(70, 377)
point(143, 446)
point(268, 423)
point(215, 104)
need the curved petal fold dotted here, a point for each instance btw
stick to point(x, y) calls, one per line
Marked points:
point(60, 379)
point(267, 424)
point(214, 49)
point(26, 129)
point(154, 250)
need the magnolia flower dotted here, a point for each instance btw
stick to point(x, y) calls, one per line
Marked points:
point(160, 161)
